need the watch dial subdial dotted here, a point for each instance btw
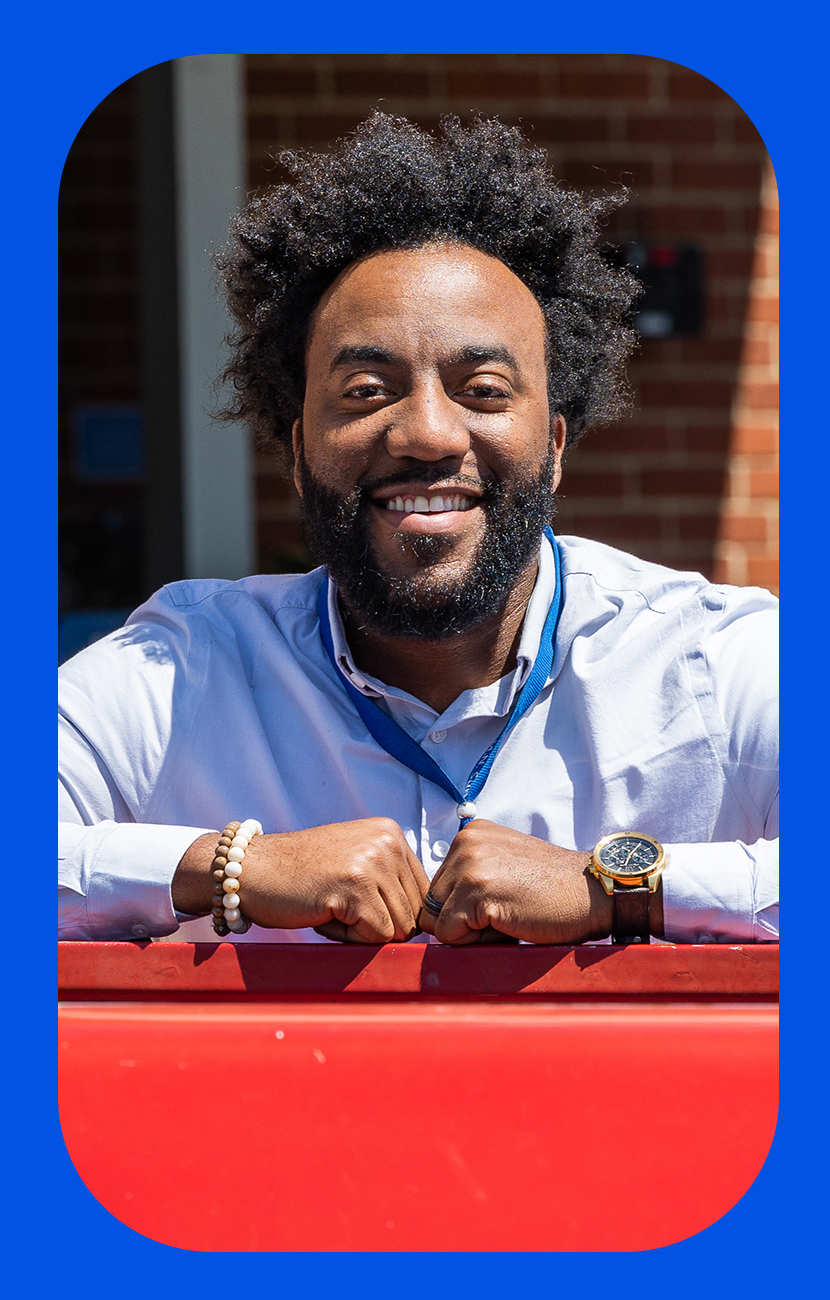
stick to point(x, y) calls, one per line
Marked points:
point(629, 855)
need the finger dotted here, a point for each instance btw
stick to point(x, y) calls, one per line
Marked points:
point(365, 916)
point(333, 930)
point(402, 913)
point(457, 921)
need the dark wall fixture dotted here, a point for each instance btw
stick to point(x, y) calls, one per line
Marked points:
point(672, 279)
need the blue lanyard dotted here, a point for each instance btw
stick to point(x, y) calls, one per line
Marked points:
point(401, 746)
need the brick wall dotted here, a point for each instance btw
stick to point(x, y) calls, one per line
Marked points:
point(689, 480)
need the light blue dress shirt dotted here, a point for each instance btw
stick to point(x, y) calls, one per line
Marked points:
point(217, 701)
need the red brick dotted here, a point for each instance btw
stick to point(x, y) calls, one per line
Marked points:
point(271, 488)
point(763, 221)
point(567, 130)
point(323, 128)
point(762, 571)
point(709, 439)
point(263, 126)
point(279, 533)
point(730, 262)
point(698, 527)
point(758, 396)
point(381, 81)
point(682, 483)
point(763, 484)
point(713, 175)
point(762, 309)
point(494, 83)
point(281, 81)
point(701, 352)
point(616, 530)
point(687, 221)
point(756, 352)
point(666, 128)
point(743, 528)
point(579, 172)
point(604, 85)
point(577, 483)
point(746, 132)
point(749, 441)
point(666, 393)
point(689, 85)
point(624, 437)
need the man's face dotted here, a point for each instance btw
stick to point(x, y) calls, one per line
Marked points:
point(426, 455)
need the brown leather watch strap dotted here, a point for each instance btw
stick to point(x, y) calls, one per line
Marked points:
point(631, 918)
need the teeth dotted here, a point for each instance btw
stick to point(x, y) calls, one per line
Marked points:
point(434, 505)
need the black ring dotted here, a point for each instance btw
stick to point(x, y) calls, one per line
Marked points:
point(432, 905)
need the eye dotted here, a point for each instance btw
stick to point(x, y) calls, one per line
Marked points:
point(487, 391)
point(368, 390)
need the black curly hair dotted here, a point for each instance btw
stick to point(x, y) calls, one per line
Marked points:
point(391, 185)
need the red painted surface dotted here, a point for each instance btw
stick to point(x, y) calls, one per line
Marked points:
point(422, 1124)
point(178, 969)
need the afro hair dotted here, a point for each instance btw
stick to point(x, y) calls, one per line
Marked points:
point(391, 185)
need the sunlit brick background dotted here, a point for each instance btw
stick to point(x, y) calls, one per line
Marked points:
point(691, 479)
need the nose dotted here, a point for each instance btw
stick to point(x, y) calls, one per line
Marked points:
point(427, 425)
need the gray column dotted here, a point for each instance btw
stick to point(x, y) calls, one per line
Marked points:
point(209, 134)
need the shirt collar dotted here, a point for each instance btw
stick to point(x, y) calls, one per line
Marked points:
point(534, 621)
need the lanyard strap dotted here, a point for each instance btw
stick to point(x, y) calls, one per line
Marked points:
point(401, 746)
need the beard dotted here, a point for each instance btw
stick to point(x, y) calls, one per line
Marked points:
point(435, 603)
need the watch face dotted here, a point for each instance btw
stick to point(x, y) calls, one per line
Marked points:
point(629, 855)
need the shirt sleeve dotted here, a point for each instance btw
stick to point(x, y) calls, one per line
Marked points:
point(728, 890)
point(114, 871)
point(721, 893)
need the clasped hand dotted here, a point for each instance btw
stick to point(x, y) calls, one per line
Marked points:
point(359, 882)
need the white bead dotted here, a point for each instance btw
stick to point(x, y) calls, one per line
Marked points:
point(465, 810)
point(233, 870)
point(250, 828)
point(232, 914)
point(239, 927)
point(239, 842)
point(230, 900)
point(235, 855)
point(230, 885)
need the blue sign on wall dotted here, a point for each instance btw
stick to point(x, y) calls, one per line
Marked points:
point(109, 443)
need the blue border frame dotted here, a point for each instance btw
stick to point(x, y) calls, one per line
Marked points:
point(60, 62)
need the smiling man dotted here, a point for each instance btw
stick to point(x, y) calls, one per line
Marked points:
point(460, 725)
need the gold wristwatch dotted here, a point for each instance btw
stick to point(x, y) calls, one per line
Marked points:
point(629, 865)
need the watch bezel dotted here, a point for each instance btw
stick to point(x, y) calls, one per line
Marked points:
point(649, 877)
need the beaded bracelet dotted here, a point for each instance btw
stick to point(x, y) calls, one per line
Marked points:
point(227, 868)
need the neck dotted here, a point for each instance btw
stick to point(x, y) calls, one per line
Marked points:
point(437, 672)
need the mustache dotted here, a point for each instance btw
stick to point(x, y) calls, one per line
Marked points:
point(423, 472)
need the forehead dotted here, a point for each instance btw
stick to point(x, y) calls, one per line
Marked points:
point(442, 294)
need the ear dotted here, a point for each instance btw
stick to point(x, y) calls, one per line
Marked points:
point(558, 431)
point(297, 444)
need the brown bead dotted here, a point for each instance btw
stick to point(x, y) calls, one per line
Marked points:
point(219, 874)
point(219, 912)
point(231, 828)
point(224, 843)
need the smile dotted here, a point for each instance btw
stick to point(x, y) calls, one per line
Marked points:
point(419, 505)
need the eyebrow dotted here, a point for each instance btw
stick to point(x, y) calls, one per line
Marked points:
point(347, 356)
point(471, 355)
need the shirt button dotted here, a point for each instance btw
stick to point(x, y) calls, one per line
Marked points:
point(437, 736)
point(140, 931)
point(440, 849)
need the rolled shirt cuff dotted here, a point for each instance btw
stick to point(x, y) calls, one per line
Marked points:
point(721, 893)
point(114, 879)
